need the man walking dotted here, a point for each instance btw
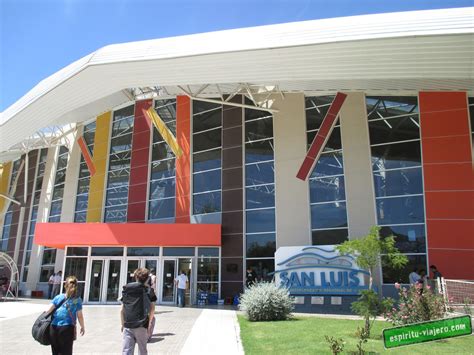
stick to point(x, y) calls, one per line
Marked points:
point(138, 309)
point(181, 282)
point(50, 285)
point(57, 283)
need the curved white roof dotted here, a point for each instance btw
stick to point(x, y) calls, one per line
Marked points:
point(406, 51)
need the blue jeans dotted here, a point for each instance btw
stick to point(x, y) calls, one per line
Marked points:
point(181, 293)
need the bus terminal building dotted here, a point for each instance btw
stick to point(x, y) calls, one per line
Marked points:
point(206, 153)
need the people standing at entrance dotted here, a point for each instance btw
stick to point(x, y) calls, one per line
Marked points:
point(250, 277)
point(414, 277)
point(57, 283)
point(62, 331)
point(181, 282)
point(138, 309)
point(50, 285)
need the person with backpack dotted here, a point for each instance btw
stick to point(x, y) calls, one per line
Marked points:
point(137, 311)
point(67, 309)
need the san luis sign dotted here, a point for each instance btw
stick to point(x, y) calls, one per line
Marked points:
point(318, 270)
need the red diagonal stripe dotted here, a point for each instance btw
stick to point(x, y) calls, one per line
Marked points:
point(86, 154)
point(320, 140)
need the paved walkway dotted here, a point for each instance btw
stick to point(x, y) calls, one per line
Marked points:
point(177, 330)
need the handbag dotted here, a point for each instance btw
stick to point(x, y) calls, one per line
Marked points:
point(40, 329)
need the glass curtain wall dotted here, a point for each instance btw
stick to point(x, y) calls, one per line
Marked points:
point(394, 130)
point(82, 196)
point(34, 210)
point(49, 254)
point(161, 207)
point(76, 265)
point(207, 161)
point(208, 270)
point(260, 234)
point(119, 166)
point(7, 224)
point(326, 183)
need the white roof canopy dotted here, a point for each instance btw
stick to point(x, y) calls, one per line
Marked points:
point(385, 53)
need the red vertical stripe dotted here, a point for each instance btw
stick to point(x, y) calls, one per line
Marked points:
point(86, 154)
point(183, 163)
point(139, 163)
point(321, 137)
point(449, 182)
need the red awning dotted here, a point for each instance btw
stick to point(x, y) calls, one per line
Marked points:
point(58, 235)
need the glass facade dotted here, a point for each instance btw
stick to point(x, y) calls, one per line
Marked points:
point(260, 231)
point(7, 223)
point(82, 196)
point(162, 192)
point(207, 157)
point(326, 183)
point(49, 254)
point(43, 153)
point(119, 166)
point(394, 130)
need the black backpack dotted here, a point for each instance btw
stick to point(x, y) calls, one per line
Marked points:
point(40, 329)
point(136, 304)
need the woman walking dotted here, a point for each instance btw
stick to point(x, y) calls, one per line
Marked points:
point(63, 325)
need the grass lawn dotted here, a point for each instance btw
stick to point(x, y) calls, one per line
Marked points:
point(305, 335)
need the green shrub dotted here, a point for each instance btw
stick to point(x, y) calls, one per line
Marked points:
point(369, 306)
point(416, 304)
point(264, 301)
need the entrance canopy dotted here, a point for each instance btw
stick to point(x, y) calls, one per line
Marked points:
point(58, 235)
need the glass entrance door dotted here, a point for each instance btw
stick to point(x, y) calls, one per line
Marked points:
point(185, 264)
point(168, 294)
point(104, 284)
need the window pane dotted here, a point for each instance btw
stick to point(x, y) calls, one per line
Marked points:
point(207, 202)
point(117, 196)
point(259, 129)
point(77, 251)
point(206, 120)
point(393, 156)
point(83, 186)
point(80, 217)
point(121, 143)
point(328, 215)
point(329, 237)
point(143, 251)
point(391, 275)
point(260, 196)
point(398, 182)
point(388, 106)
point(260, 221)
point(207, 160)
point(394, 130)
point(120, 160)
point(260, 245)
point(263, 268)
point(159, 209)
point(316, 109)
point(116, 214)
point(207, 140)
point(251, 114)
point(161, 151)
point(123, 126)
point(162, 189)
point(327, 189)
point(106, 251)
point(81, 202)
point(329, 164)
point(118, 178)
point(259, 151)
point(76, 267)
point(163, 169)
point(400, 210)
point(208, 269)
point(58, 192)
point(207, 181)
point(334, 142)
point(176, 251)
point(408, 239)
point(208, 252)
point(261, 173)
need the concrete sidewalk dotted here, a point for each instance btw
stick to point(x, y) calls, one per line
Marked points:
point(177, 330)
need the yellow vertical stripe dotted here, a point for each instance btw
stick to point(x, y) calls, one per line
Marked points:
point(164, 131)
point(97, 181)
point(4, 179)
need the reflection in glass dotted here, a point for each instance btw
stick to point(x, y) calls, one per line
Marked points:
point(143, 251)
point(400, 210)
point(395, 156)
point(259, 173)
point(329, 164)
point(391, 275)
point(113, 280)
point(207, 160)
point(95, 286)
point(329, 236)
point(208, 202)
point(76, 267)
point(263, 268)
point(159, 209)
point(132, 265)
point(259, 129)
point(327, 189)
point(168, 289)
point(260, 196)
point(328, 215)
point(398, 182)
point(259, 151)
point(260, 245)
point(207, 181)
point(260, 221)
point(106, 251)
point(207, 140)
point(408, 238)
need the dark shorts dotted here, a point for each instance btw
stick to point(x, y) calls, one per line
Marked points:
point(62, 339)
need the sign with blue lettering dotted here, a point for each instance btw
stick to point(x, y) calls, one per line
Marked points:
point(318, 270)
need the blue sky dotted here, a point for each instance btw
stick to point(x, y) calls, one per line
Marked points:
point(39, 37)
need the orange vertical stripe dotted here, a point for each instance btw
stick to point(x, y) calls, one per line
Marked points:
point(183, 163)
point(448, 180)
point(86, 154)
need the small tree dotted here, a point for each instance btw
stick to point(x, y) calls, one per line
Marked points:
point(367, 251)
